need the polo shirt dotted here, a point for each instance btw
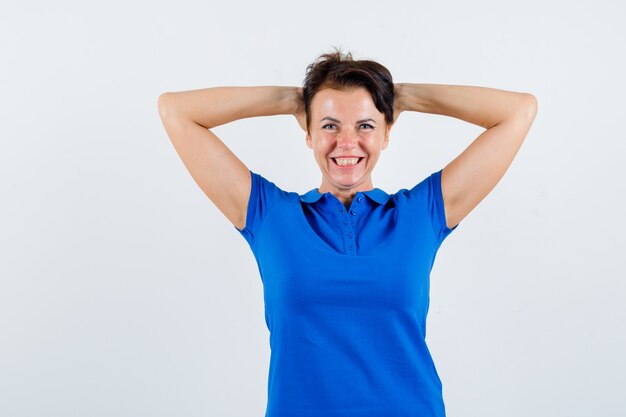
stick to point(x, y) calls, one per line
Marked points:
point(346, 295)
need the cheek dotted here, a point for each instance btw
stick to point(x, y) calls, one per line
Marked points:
point(323, 145)
point(372, 145)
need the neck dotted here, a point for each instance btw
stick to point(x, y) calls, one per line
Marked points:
point(343, 194)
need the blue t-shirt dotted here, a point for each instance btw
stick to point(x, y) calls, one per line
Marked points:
point(346, 296)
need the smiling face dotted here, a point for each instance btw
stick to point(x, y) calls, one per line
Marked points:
point(346, 124)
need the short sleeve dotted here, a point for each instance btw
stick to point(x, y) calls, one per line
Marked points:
point(263, 197)
point(436, 207)
point(429, 199)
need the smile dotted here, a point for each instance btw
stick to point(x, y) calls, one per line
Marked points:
point(347, 166)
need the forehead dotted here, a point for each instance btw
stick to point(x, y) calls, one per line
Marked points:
point(329, 100)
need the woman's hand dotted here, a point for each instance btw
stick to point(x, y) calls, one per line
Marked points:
point(298, 111)
point(397, 101)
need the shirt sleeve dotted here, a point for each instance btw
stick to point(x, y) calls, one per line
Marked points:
point(436, 206)
point(263, 197)
point(429, 193)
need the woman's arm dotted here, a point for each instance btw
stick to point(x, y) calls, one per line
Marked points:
point(506, 115)
point(481, 106)
point(215, 106)
point(187, 117)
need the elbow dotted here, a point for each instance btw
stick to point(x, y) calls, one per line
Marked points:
point(526, 107)
point(162, 104)
point(531, 105)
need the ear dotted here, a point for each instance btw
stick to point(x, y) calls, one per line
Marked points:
point(386, 140)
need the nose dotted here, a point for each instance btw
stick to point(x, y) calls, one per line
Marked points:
point(347, 139)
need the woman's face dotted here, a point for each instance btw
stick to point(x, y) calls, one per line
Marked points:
point(346, 124)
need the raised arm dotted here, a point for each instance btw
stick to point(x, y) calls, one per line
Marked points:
point(506, 115)
point(187, 117)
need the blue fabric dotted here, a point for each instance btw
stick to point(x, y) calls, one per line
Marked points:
point(346, 297)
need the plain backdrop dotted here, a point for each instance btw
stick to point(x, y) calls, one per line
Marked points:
point(125, 292)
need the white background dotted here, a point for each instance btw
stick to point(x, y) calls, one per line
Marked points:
point(125, 292)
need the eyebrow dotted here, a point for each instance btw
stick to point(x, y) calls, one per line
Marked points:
point(337, 121)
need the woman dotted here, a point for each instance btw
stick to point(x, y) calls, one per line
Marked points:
point(346, 266)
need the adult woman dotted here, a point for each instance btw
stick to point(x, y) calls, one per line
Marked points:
point(345, 267)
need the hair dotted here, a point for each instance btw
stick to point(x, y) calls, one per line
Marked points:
point(340, 71)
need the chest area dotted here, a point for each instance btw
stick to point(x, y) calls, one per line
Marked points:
point(360, 257)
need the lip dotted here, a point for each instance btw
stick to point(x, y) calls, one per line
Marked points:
point(347, 156)
point(361, 159)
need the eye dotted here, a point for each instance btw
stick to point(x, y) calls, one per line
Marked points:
point(324, 127)
point(367, 124)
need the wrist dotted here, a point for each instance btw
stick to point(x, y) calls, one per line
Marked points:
point(415, 97)
point(296, 101)
point(399, 97)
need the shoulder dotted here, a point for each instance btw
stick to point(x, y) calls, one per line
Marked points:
point(416, 190)
point(265, 196)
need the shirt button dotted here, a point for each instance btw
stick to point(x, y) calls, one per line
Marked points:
point(359, 199)
point(349, 235)
point(340, 210)
point(351, 247)
point(353, 212)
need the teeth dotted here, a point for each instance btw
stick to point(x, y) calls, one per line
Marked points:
point(346, 161)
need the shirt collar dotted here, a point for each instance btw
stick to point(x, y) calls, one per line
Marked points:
point(375, 194)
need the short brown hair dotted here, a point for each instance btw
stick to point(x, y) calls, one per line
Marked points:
point(340, 71)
